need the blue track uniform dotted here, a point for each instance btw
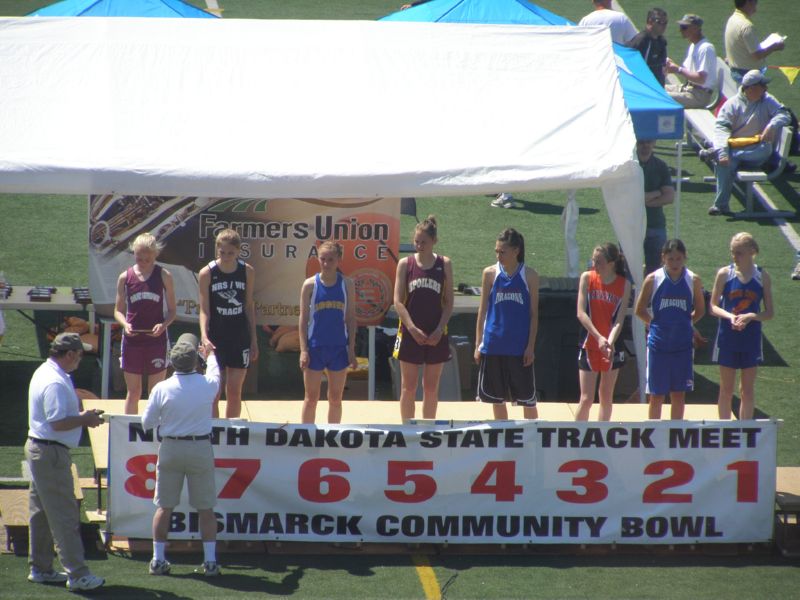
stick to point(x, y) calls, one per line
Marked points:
point(327, 330)
point(740, 349)
point(502, 376)
point(508, 315)
point(669, 342)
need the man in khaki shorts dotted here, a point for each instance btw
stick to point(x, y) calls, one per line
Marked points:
point(180, 407)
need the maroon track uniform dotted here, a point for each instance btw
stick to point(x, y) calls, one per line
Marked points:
point(424, 298)
point(142, 353)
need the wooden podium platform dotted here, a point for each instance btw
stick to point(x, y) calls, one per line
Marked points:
point(387, 412)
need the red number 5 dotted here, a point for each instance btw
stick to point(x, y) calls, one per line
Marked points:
point(424, 485)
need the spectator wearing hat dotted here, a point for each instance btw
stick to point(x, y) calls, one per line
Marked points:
point(55, 424)
point(746, 130)
point(743, 49)
point(699, 68)
point(180, 409)
point(622, 29)
point(651, 43)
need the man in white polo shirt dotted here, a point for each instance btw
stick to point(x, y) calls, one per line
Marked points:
point(699, 68)
point(180, 408)
point(55, 424)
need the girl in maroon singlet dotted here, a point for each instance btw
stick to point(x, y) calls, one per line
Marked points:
point(144, 308)
point(423, 299)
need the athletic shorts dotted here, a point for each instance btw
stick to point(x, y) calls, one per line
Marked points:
point(233, 353)
point(408, 350)
point(669, 372)
point(189, 459)
point(144, 359)
point(333, 358)
point(732, 359)
point(504, 378)
point(593, 360)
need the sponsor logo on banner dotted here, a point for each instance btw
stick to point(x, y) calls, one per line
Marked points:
point(498, 482)
point(279, 239)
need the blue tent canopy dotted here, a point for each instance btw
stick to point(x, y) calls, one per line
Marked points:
point(122, 8)
point(499, 12)
point(654, 114)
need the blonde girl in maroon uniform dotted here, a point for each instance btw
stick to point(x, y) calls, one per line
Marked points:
point(144, 308)
point(603, 295)
point(423, 299)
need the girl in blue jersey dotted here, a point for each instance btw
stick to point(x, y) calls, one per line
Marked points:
point(670, 303)
point(327, 333)
point(505, 335)
point(739, 291)
point(423, 299)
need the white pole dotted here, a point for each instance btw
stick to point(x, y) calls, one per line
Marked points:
point(371, 369)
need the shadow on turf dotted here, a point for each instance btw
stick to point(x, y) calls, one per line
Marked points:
point(546, 208)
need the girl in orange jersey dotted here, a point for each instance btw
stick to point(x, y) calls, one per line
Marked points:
point(602, 298)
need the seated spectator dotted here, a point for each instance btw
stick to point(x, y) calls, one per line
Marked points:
point(622, 29)
point(746, 130)
point(743, 49)
point(699, 68)
point(651, 43)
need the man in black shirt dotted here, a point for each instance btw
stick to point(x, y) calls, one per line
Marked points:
point(651, 43)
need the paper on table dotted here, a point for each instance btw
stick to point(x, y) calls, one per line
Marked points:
point(771, 40)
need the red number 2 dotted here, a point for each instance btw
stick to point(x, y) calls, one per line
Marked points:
point(682, 473)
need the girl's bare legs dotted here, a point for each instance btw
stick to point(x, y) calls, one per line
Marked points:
point(133, 383)
point(409, 374)
point(312, 381)
point(588, 381)
point(606, 392)
point(431, 375)
point(747, 393)
point(727, 379)
point(336, 382)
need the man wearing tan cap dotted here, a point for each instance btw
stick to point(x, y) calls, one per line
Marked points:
point(55, 423)
point(180, 408)
point(699, 68)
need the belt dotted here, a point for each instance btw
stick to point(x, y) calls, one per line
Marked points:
point(48, 442)
point(189, 438)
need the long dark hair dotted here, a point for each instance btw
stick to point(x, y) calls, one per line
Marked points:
point(513, 238)
point(612, 254)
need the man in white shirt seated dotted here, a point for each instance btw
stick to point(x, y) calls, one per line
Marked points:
point(699, 68)
point(180, 409)
point(622, 29)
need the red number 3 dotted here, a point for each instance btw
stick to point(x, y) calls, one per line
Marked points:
point(595, 491)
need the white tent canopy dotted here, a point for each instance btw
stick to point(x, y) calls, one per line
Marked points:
point(314, 109)
point(277, 109)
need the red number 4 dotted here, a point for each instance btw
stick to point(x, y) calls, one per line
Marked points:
point(505, 485)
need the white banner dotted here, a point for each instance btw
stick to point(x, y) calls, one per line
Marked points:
point(540, 482)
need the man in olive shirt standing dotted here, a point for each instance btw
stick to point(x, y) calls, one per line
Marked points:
point(658, 192)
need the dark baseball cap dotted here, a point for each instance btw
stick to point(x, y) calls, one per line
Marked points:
point(183, 354)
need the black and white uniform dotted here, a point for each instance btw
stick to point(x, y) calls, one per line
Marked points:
point(228, 328)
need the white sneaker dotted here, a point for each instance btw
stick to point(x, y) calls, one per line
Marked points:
point(498, 201)
point(209, 569)
point(159, 567)
point(504, 201)
point(85, 583)
point(36, 576)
